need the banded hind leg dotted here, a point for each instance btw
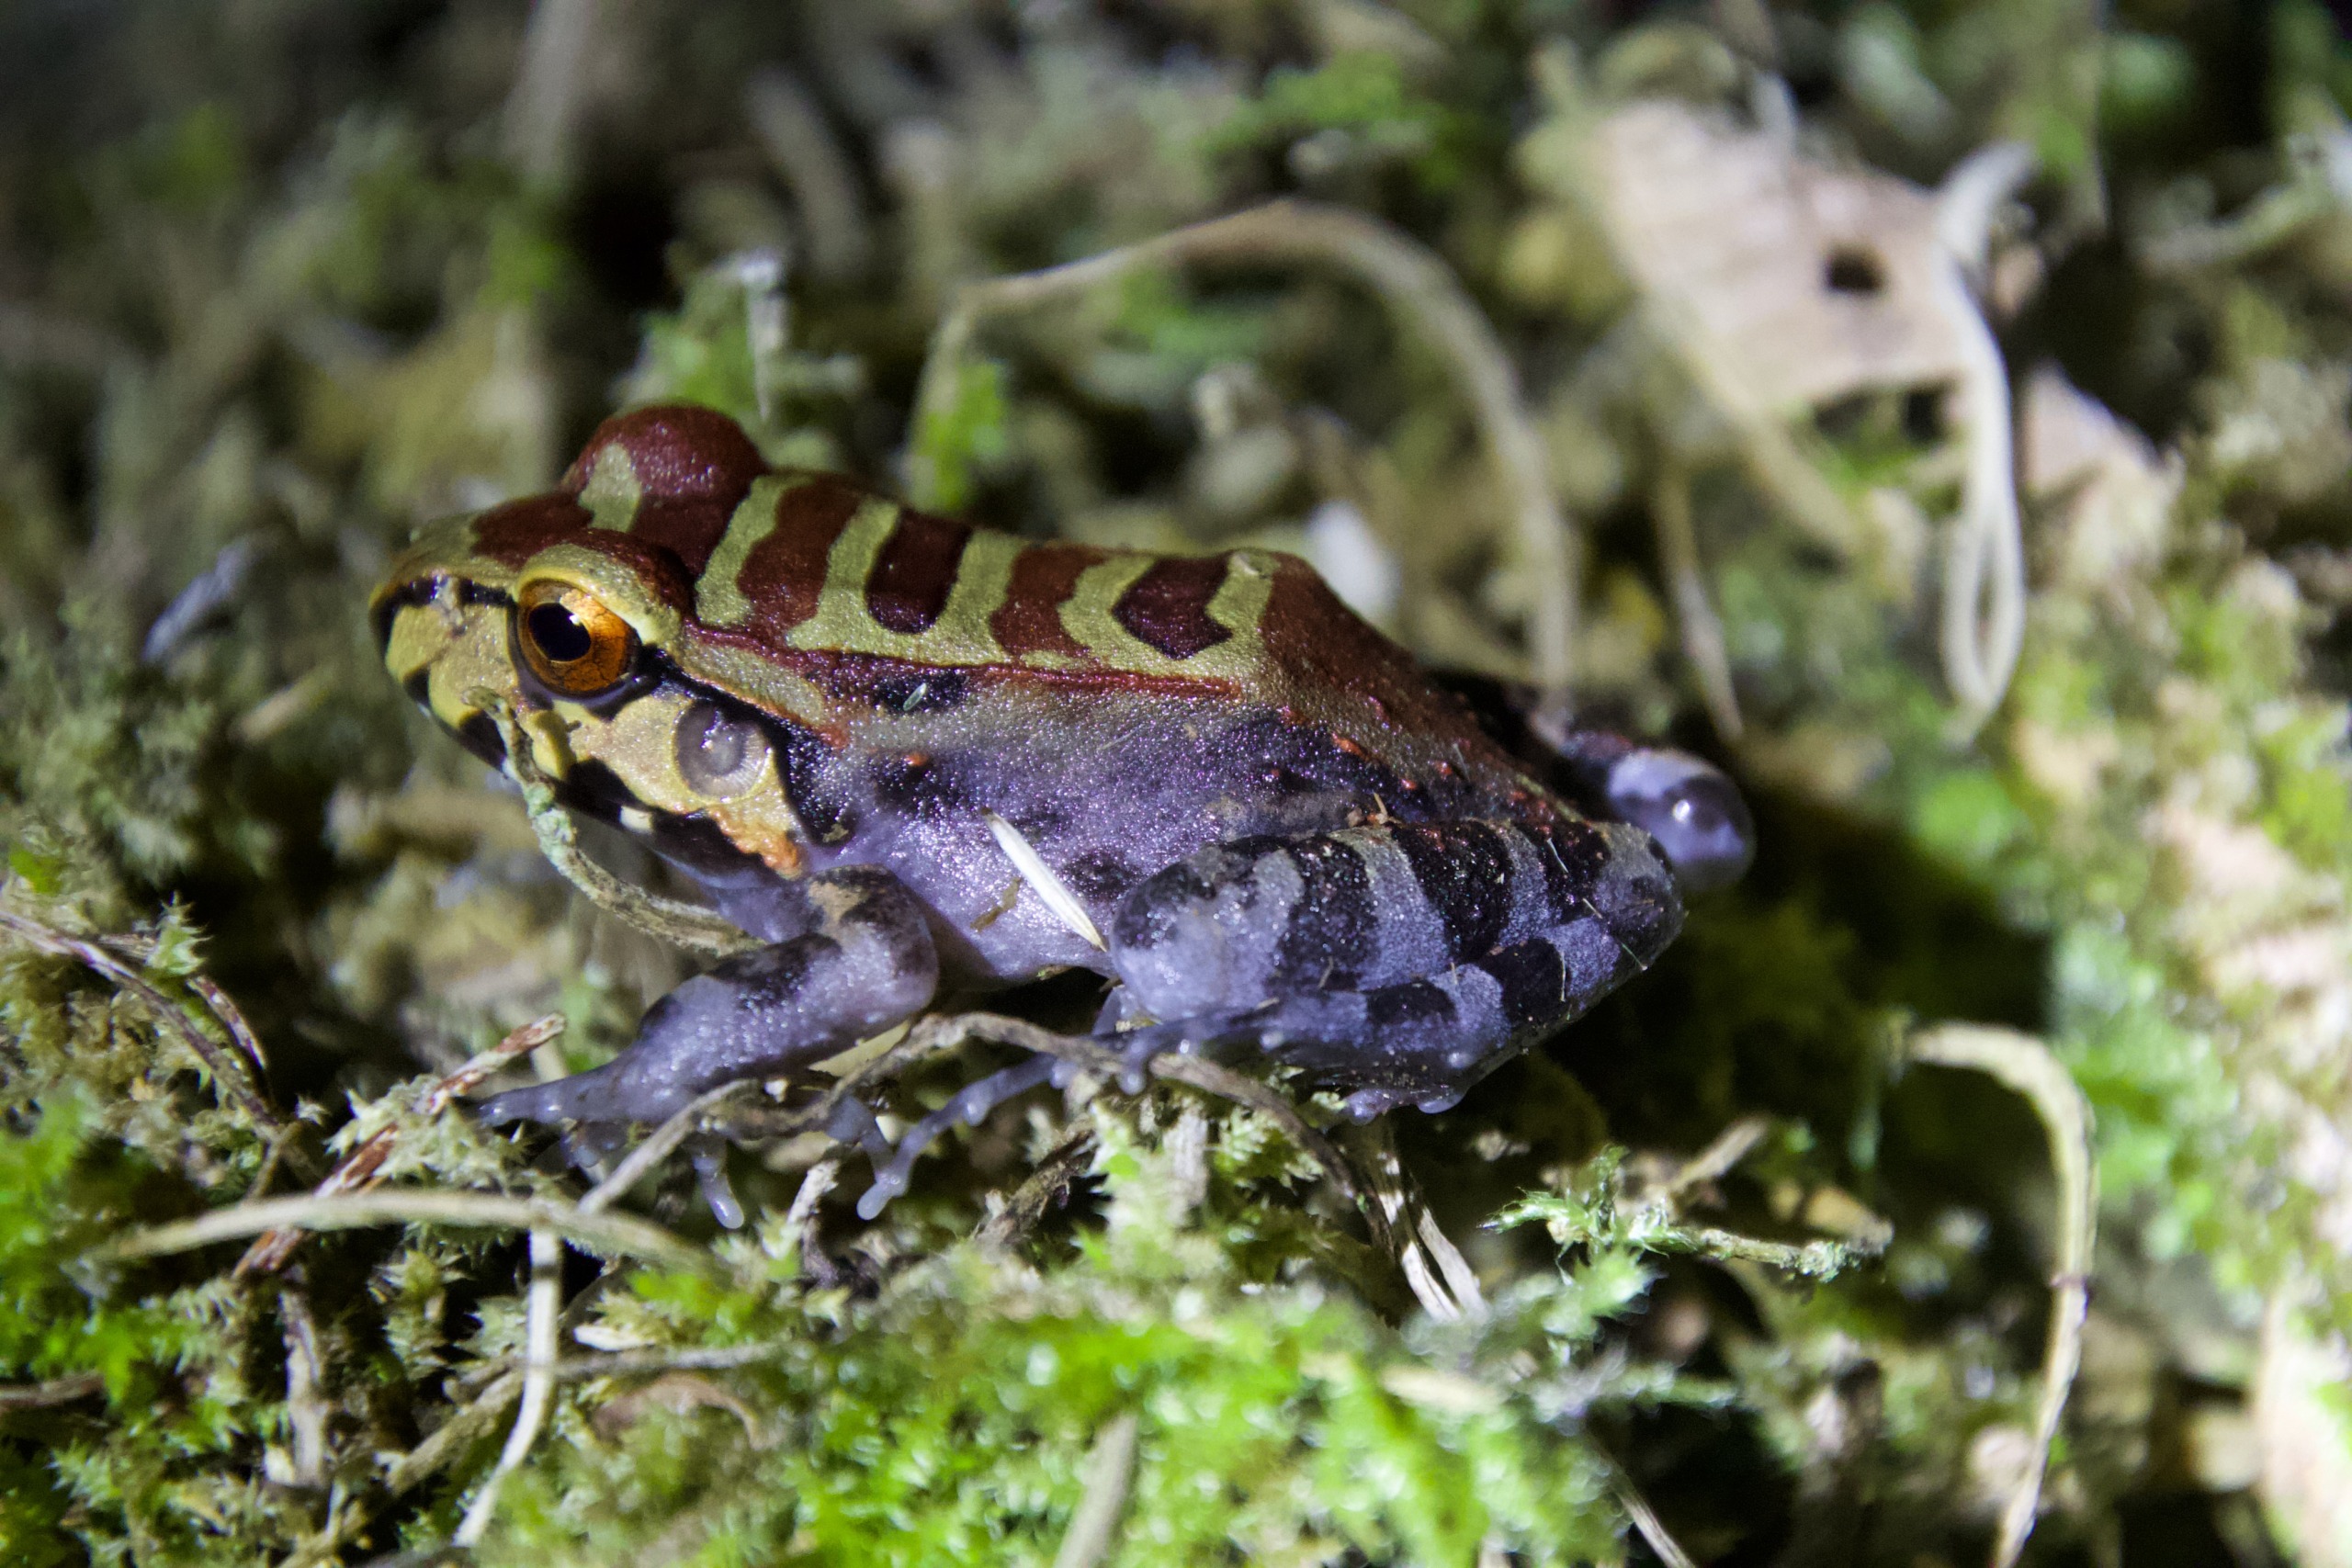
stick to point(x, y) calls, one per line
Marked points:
point(1686, 803)
point(855, 957)
point(1398, 963)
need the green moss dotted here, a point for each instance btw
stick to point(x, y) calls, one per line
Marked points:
point(276, 285)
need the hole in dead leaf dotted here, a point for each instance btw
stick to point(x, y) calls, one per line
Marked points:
point(1923, 415)
point(1854, 270)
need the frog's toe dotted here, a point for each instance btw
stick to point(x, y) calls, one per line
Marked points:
point(589, 1097)
point(969, 1105)
point(1691, 809)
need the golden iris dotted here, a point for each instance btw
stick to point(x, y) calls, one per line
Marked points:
point(570, 640)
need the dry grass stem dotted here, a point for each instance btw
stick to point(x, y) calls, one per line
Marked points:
point(1984, 590)
point(1694, 612)
point(609, 1233)
point(544, 1305)
point(1427, 298)
point(358, 1170)
point(2025, 1066)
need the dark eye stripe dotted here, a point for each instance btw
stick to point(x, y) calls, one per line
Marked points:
point(388, 609)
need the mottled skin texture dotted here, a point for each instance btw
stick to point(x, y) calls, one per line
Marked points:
point(847, 720)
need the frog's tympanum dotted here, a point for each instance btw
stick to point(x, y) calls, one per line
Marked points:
point(901, 751)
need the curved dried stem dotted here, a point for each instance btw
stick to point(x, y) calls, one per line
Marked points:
point(2024, 1065)
point(1984, 603)
point(657, 1145)
point(231, 1074)
point(1702, 630)
point(545, 1303)
point(1413, 282)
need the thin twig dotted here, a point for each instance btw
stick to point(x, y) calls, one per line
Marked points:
point(1726, 1150)
point(2025, 1066)
point(657, 1144)
point(1703, 643)
point(746, 1124)
point(1110, 1470)
point(358, 1170)
point(1044, 1187)
point(231, 1020)
point(1646, 1524)
point(607, 1233)
point(307, 1409)
point(544, 1304)
point(453, 1436)
point(631, 1363)
point(226, 1070)
point(449, 1442)
point(800, 1219)
point(1434, 1266)
point(1426, 297)
point(55, 1391)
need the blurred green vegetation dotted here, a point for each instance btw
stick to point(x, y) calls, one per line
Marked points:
point(280, 281)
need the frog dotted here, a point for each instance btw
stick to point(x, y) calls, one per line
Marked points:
point(906, 754)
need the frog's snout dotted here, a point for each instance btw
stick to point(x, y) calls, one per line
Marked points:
point(1691, 809)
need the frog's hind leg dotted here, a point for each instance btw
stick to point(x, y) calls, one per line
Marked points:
point(1398, 963)
point(969, 1105)
point(864, 961)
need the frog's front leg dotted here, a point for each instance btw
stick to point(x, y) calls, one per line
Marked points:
point(1399, 962)
point(861, 961)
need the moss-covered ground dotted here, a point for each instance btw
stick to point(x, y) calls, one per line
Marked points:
point(279, 281)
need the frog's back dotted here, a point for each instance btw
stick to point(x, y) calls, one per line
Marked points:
point(814, 576)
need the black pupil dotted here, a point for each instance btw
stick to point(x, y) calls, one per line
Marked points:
point(559, 634)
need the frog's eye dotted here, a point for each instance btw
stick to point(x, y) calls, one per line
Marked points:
point(572, 641)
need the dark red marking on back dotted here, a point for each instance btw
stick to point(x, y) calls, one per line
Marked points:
point(1321, 643)
point(693, 466)
point(513, 532)
point(786, 572)
point(1030, 619)
point(1168, 607)
point(915, 572)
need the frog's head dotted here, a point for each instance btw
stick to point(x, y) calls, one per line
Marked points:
point(576, 608)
